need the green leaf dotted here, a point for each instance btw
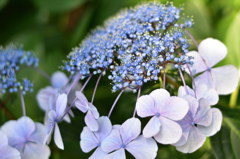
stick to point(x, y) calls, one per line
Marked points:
point(3, 3)
point(58, 5)
point(232, 41)
point(235, 140)
point(221, 144)
point(230, 112)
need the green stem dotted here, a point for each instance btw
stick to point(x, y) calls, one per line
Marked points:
point(234, 98)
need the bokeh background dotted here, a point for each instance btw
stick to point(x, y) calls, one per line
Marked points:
point(51, 28)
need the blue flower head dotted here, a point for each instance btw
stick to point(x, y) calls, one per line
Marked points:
point(11, 58)
point(135, 45)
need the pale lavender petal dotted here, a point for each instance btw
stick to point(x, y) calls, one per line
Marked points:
point(82, 102)
point(130, 130)
point(58, 138)
point(25, 127)
point(52, 116)
point(193, 104)
point(119, 154)
point(198, 63)
point(94, 110)
point(204, 114)
point(105, 127)
point(91, 122)
point(226, 79)
point(43, 97)
point(112, 142)
point(170, 132)
point(7, 152)
point(195, 141)
point(61, 104)
point(67, 118)
point(3, 139)
point(205, 78)
point(175, 108)
point(183, 91)
point(88, 140)
point(152, 127)
point(98, 154)
point(59, 80)
point(145, 106)
point(215, 125)
point(160, 96)
point(143, 148)
point(40, 134)
point(212, 51)
point(210, 94)
point(36, 151)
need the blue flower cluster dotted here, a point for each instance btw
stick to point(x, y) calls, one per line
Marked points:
point(11, 58)
point(135, 45)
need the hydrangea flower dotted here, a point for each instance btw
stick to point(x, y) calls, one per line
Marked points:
point(202, 91)
point(86, 107)
point(27, 137)
point(165, 110)
point(6, 151)
point(126, 137)
point(11, 58)
point(59, 80)
point(200, 122)
point(90, 140)
point(224, 78)
point(55, 116)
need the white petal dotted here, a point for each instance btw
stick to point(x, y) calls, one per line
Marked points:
point(170, 132)
point(130, 129)
point(105, 127)
point(59, 80)
point(212, 51)
point(7, 152)
point(36, 151)
point(195, 141)
point(98, 154)
point(182, 91)
point(175, 108)
point(152, 127)
point(91, 122)
point(58, 138)
point(205, 78)
point(204, 114)
point(160, 96)
point(88, 140)
point(193, 104)
point(61, 104)
point(145, 106)
point(143, 148)
point(94, 110)
point(198, 63)
point(215, 125)
point(40, 134)
point(119, 154)
point(112, 142)
point(210, 94)
point(226, 79)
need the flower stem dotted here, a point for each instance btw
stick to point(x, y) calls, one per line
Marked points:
point(182, 78)
point(22, 103)
point(193, 39)
point(115, 102)
point(95, 89)
point(139, 93)
point(43, 73)
point(74, 83)
point(164, 78)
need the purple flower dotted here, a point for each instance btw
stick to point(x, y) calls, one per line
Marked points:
point(6, 151)
point(90, 140)
point(86, 107)
point(126, 137)
point(210, 51)
point(54, 116)
point(59, 80)
point(27, 137)
point(200, 122)
point(165, 111)
point(202, 91)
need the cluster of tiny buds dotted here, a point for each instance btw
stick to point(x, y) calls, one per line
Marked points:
point(11, 58)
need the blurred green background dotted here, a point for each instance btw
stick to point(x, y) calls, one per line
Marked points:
point(51, 28)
